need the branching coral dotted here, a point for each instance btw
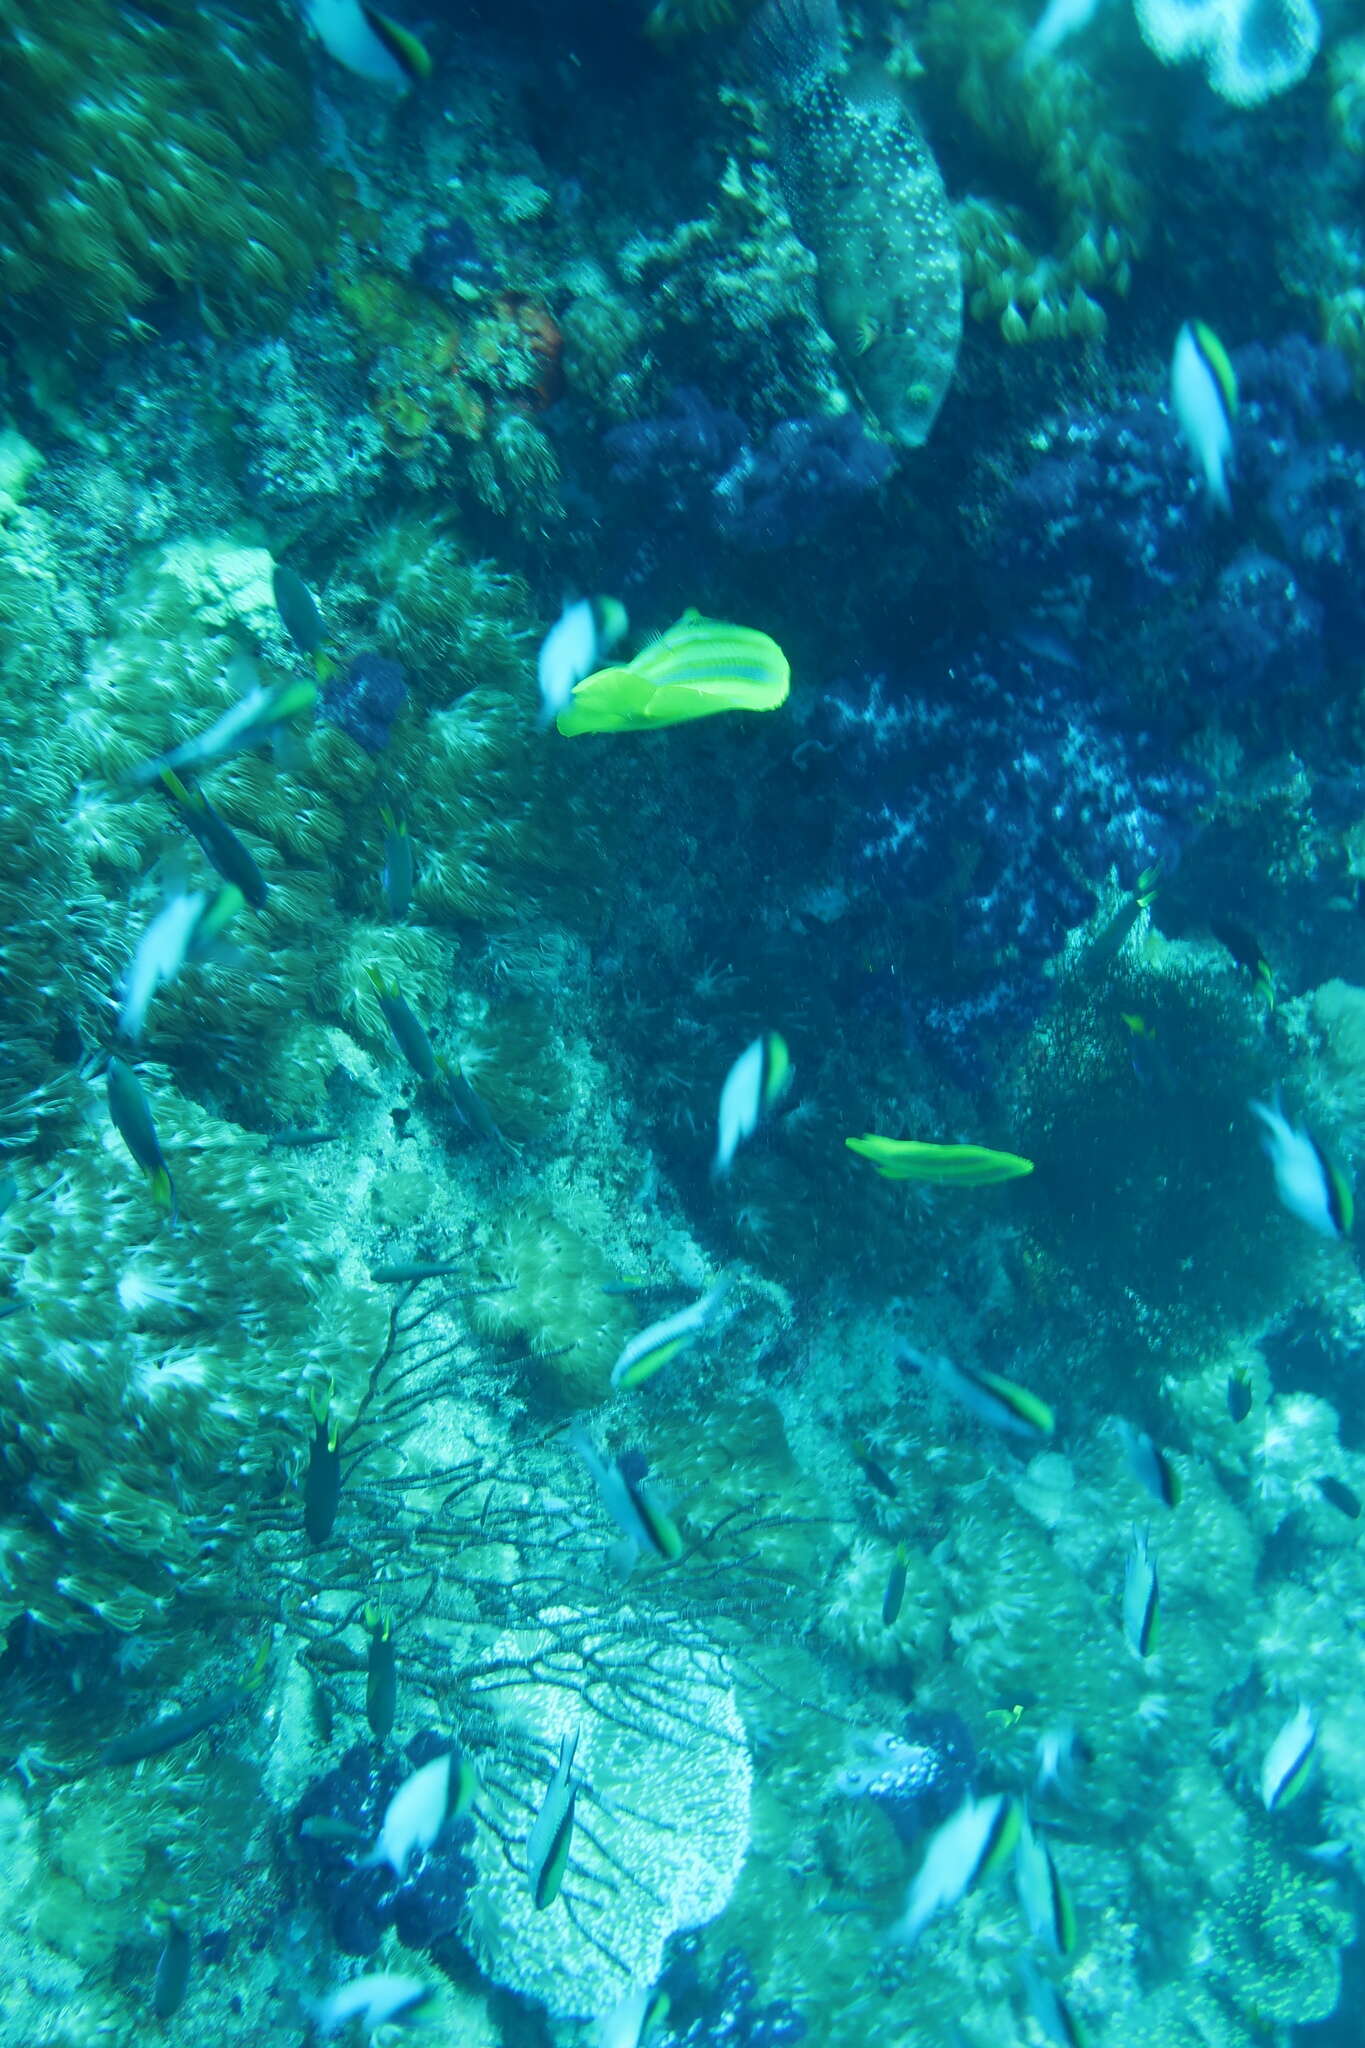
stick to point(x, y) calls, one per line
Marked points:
point(490, 813)
point(151, 151)
point(736, 282)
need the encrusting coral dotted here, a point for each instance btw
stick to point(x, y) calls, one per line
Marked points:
point(931, 883)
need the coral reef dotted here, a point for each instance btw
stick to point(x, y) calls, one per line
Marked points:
point(1107, 535)
point(993, 793)
point(365, 699)
point(695, 469)
point(427, 1904)
point(1249, 53)
point(666, 1826)
point(555, 1302)
point(1054, 847)
point(143, 165)
point(726, 2011)
point(1039, 259)
point(146, 1398)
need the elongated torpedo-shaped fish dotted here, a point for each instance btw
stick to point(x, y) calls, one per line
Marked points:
point(652, 1348)
point(548, 1844)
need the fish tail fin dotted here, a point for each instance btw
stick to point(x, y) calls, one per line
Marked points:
point(792, 45)
point(324, 665)
point(164, 1195)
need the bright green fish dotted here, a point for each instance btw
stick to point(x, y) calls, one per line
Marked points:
point(695, 669)
point(957, 1166)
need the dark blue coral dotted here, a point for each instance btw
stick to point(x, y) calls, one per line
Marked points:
point(699, 473)
point(1109, 539)
point(365, 698)
point(991, 778)
point(724, 2013)
point(428, 1905)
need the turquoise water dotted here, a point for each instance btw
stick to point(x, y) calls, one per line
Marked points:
point(682, 1025)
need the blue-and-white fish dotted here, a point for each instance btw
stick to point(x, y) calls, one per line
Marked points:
point(754, 1085)
point(1000, 1402)
point(1204, 396)
point(1042, 1894)
point(1306, 1181)
point(1288, 1760)
point(369, 43)
point(420, 1809)
point(644, 1523)
point(630, 2022)
point(1150, 1465)
point(576, 645)
point(187, 927)
point(548, 1844)
point(971, 1844)
point(161, 953)
point(1059, 20)
point(1052, 2015)
point(376, 2000)
point(396, 875)
point(652, 1348)
point(1141, 1598)
point(258, 714)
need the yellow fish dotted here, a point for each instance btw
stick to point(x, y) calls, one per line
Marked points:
point(698, 667)
point(958, 1166)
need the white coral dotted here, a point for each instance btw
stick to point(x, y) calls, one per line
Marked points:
point(1251, 49)
point(662, 1819)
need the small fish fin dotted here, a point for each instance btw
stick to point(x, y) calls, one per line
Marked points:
point(466, 1788)
point(1146, 886)
point(1219, 362)
point(1342, 1199)
point(163, 1194)
point(190, 799)
point(402, 45)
